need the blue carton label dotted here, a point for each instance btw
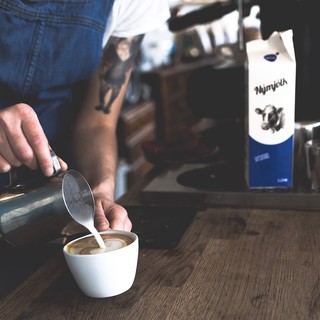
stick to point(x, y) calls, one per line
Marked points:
point(270, 165)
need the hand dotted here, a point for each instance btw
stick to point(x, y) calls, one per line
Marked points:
point(110, 215)
point(23, 141)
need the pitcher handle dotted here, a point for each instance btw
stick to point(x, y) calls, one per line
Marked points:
point(13, 176)
point(55, 163)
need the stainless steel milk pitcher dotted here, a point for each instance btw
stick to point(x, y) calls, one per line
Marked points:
point(35, 213)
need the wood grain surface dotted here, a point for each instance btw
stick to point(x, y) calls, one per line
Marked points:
point(230, 264)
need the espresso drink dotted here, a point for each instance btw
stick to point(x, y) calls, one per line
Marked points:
point(89, 245)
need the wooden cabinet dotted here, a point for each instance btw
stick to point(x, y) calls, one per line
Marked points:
point(169, 90)
point(136, 125)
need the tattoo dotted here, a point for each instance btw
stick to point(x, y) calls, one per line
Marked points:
point(118, 59)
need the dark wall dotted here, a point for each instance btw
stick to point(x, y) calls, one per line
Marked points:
point(303, 18)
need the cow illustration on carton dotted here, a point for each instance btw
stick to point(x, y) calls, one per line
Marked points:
point(272, 118)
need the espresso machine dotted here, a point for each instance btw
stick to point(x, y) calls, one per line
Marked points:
point(219, 180)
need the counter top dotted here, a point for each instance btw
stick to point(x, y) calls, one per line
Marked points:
point(231, 263)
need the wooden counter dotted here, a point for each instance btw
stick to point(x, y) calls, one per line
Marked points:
point(230, 264)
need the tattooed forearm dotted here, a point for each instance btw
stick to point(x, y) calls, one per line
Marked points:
point(118, 59)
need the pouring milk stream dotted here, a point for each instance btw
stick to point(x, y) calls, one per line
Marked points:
point(81, 208)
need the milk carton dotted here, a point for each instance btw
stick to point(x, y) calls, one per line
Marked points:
point(271, 82)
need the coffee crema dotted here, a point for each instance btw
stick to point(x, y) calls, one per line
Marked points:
point(89, 245)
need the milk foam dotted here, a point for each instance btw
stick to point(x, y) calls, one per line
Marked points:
point(111, 244)
point(89, 245)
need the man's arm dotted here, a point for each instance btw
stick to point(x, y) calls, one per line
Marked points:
point(94, 139)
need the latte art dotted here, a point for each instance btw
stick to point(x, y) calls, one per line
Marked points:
point(89, 245)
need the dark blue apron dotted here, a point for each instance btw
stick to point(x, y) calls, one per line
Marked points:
point(46, 48)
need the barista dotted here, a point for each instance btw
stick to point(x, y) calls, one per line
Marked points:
point(55, 58)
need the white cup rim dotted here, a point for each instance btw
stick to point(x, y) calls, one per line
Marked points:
point(110, 231)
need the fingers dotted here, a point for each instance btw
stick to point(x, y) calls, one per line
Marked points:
point(119, 219)
point(23, 141)
point(7, 156)
point(4, 165)
point(64, 166)
point(119, 224)
point(38, 142)
point(9, 132)
point(18, 126)
point(115, 218)
point(100, 221)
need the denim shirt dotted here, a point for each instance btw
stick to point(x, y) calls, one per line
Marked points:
point(46, 47)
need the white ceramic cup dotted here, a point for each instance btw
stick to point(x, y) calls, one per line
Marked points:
point(105, 274)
